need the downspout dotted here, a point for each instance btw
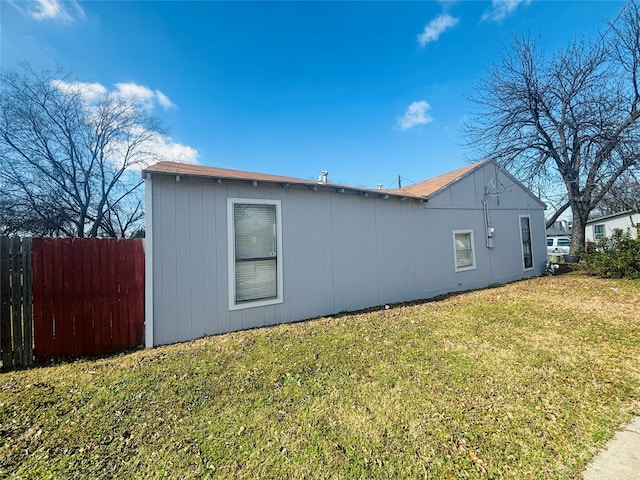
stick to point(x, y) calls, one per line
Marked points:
point(489, 230)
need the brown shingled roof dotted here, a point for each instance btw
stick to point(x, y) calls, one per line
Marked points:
point(187, 169)
point(428, 187)
point(417, 190)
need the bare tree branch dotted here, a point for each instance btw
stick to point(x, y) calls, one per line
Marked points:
point(70, 161)
point(570, 120)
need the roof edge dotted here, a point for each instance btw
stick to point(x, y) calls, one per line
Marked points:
point(177, 169)
point(502, 168)
point(473, 167)
point(612, 215)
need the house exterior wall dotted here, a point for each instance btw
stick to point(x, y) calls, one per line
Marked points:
point(623, 222)
point(341, 251)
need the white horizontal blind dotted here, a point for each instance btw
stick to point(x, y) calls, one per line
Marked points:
point(255, 279)
point(255, 251)
point(464, 250)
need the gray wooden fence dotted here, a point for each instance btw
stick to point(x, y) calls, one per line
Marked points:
point(16, 320)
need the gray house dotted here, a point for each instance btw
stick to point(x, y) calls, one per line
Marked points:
point(230, 250)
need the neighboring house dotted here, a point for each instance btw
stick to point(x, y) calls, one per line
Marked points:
point(603, 227)
point(560, 228)
point(230, 250)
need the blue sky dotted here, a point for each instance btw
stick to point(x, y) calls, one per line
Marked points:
point(365, 90)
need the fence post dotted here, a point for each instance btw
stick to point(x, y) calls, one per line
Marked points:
point(16, 300)
point(27, 301)
point(5, 305)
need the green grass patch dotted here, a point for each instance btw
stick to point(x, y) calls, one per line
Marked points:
point(522, 381)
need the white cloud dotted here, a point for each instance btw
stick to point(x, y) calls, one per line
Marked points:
point(416, 114)
point(144, 95)
point(157, 147)
point(62, 10)
point(167, 149)
point(134, 91)
point(501, 9)
point(164, 100)
point(90, 92)
point(436, 27)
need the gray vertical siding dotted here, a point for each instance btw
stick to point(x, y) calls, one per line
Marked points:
point(340, 251)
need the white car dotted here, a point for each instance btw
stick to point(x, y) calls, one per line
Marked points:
point(558, 245)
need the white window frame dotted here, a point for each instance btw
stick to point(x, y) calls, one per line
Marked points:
point(533, 258)
point(231, 236)
point(473, 266)
point(597, 235)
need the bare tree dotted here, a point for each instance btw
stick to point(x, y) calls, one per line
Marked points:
point(567, 123)
point(623, 196)
point(70, 156)
point(17, 216)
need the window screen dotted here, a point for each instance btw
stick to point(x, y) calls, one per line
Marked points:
point(464, 250)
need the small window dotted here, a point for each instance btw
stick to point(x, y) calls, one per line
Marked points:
point(598, 232)
point(463, 245)
point(549, 242)
point(564, 242)
point(255, 270)
point(525, 236)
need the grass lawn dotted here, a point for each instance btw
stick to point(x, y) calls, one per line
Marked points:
point(526, 380)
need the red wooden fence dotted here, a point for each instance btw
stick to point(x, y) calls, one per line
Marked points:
point(88, 296)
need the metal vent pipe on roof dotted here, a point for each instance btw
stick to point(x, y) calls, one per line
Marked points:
point(324, 175)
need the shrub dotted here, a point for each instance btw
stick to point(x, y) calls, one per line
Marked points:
point(615, 257)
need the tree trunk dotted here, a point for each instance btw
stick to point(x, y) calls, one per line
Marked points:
point(578, 231)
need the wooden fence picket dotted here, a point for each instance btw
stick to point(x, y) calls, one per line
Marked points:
point(63, 297)
point(16, 332)
point(87, 302)
point(27, 303)
point(6, 340)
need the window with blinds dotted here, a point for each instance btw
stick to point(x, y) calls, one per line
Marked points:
point(255, 278)
point(463, 245)
point(525, 235)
